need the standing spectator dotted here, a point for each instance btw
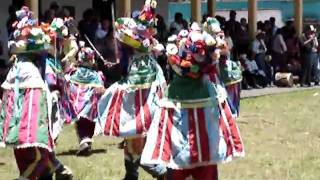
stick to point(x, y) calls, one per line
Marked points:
point(279, 49)
point(49, 15)
point(259, 50)
point(12, 18)
point(88, 25)
point(162, 32)
point(233, 27)
point(273, 25)
point(308, 47)
point(243, 37)
point(52, 12)
point(178, 24)
point(104, 40)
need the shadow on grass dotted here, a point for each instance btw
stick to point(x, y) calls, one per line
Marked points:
point(73, 152)
point(2, 164)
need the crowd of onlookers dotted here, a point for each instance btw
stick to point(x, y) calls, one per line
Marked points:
point(274, 49)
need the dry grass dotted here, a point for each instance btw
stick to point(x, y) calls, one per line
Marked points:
point(281, 134)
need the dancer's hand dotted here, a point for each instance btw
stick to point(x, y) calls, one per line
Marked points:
point(100, 90)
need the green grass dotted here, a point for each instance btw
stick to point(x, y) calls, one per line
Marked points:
point(281, 135)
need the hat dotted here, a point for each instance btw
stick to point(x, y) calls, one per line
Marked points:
point(138, 32)
point(312, 28)
point(212, 26)
point(58, 26)
point(28, 37)
point(187, 55)
point(86, 54)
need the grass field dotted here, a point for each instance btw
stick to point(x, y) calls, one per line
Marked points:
point(281, 134)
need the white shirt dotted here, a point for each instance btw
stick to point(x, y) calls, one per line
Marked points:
point(251, 66)
point(259, 46)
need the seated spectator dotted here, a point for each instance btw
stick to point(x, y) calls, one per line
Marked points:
point(252, 76)
point(259, 50)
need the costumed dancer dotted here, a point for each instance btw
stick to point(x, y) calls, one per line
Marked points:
point(190, 135)
point(60, 60)
point(25, 118)
point(127, 108)
point(84, 86)
point(229, 73)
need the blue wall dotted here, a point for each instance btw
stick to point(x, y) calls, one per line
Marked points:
point(311, 8)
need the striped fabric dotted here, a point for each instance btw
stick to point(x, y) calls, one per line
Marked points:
point(183, 138)
point(80, 97)
point(54, 76)
point(127, 109)
point(24, 119)
point(233, 91)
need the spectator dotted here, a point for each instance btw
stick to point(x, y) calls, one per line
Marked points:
point(243, 37)
point(308, 47)
point(12, 18)
point(252, 76)
point(178, 24)
point(104, 40)
point(233, 27)
point(273, 25)
point(279, 49)
point(88, 25)
point(259, 50)
point(162, 32)
point(268, 38)
point(49, 15)
point(293, 53)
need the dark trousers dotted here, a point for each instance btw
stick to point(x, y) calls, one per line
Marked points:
point(310, 67)
point(85, 129)
point(264, 66)
point(253, 80)
point(132, 151)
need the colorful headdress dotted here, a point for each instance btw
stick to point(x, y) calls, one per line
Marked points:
point(187, 52)
point(28, 37)
point(212, 27)
point(86, 54)
point(58, 26)
point(138, 32)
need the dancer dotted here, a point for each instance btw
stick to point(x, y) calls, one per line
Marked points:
point(127, 107)
point(190, 134)
point(227, 71)
point(83, 88)
point(25, 118)
point(60, 60)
